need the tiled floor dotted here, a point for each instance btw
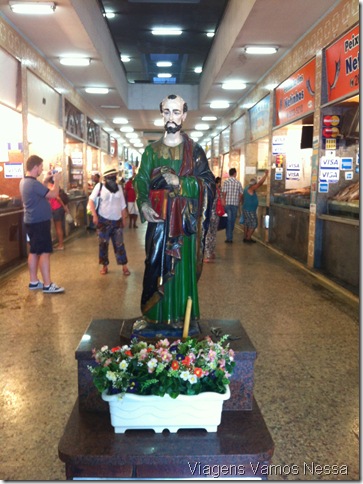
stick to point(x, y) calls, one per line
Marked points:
point(306, 336)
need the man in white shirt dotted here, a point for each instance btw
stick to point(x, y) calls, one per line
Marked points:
point(108, 218)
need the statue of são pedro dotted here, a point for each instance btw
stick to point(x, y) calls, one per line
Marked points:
point(175, 190)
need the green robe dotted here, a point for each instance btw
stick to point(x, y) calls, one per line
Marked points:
point(174, 261)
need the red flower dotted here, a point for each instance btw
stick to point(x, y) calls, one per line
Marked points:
point(198, 372)
point(128, 353)
point(116, 348)
point(186, 361)
point(175, 365)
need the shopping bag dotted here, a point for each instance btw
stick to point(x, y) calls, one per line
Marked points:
point(222, 222)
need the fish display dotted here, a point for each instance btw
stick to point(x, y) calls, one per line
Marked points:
point(348, 193)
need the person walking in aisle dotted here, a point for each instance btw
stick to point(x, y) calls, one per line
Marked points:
point(109, 220)
point(131, 202)
point(232, 193)
point(249, 208)
point(211, 239)
point(37, 219)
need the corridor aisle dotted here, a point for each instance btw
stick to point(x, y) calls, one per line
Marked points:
point(306, 337)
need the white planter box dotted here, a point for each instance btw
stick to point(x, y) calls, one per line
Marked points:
point(201, 411)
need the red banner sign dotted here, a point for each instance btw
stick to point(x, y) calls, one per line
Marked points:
point(342, 66)
point(296, 96)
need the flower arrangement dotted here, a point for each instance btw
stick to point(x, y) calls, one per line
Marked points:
point(182, 367)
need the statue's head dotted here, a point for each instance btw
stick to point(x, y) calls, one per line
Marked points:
point(174, 110)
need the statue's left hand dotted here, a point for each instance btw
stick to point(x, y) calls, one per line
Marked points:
point(171, 179)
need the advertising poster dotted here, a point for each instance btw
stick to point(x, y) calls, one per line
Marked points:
point(342, 65)
point(295, 97)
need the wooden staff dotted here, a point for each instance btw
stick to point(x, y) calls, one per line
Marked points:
point(187, 317)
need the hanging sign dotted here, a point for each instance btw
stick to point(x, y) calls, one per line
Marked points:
point(259, 118)
point(296, 96)
point(342, 66)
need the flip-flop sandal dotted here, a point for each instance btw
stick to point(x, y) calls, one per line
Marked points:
point(126, 273)
point(104, 270)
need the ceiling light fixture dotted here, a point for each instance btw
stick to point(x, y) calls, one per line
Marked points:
point(126, 129)
point(164, 75)
point(270, 87)
point(259, 49)
point(96, 90)
point(201, 127)
point(109, 15)
point(75, 61)
point(164, 64)
point(233, 85)
point(198, 70)
point(210, 34)
point(166, 31)
point(219, 104)
point(209, 118)
point(120, 121)
point(159, 122)
point(125, 58)
point(132, 135)
point(196, 134)
point(32, 8)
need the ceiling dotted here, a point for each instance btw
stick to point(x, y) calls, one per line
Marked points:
point(80, 27)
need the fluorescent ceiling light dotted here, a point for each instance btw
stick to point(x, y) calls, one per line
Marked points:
point(96, 90)
point(196, 134)
point(159, 122)
point(164, 64)
point(126, 129)
point(201, 127)
point(260, 50)
point(270, 87)
point(210, 34)
point(109, 14)
point(209, 118)
point(120, 121)
point(166, 31)
point(164, 75)
point(198, 70)
point(138, 145)
point(75, 61)
point(125, 58)
point(32, 8)
point(110, 106)
point(131, 135)
point(233, 85)
point(219, 104)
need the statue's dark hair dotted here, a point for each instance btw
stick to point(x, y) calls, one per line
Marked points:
point(173, 96)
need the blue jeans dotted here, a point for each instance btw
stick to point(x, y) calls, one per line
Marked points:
point(231, 211)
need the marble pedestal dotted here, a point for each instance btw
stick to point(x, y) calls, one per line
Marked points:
point(241, 448)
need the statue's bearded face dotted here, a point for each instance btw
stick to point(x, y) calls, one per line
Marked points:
point(172, 111)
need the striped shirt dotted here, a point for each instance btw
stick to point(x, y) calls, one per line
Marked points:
point(233, 190)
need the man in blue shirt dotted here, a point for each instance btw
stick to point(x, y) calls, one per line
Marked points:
point(37, 220)
point(232, 192)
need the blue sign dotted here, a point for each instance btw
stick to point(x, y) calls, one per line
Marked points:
point(347, 163)
point(323, 187)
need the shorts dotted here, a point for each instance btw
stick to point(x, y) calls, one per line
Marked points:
point(250, 219)
point(40, 239)
point(58, 214)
